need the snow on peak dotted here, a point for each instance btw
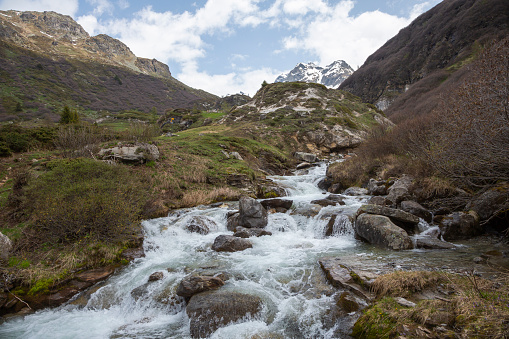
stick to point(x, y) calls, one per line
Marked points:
point(331, 75)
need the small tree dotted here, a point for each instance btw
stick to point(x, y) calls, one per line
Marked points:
point(69, 116)
point(264, 83)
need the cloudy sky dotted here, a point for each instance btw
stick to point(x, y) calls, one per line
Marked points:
point(232, 46)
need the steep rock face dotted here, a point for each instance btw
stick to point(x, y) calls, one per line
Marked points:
point(424, 54)
point(331, 75)
point(153, 67)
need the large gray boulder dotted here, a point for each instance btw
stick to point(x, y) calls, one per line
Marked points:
point(252, 214)
point(459, 225)
point(492, 202)
point(417, 209)
point(195, 284)
point(229, 243)
point(394, 214)
point(5, 247)
point(137, 153)
point(380, 230)
point(307, 157)
point(400, 190)
point(355, 191)
point(243, 232)
point(211, 310)
point(376, 187)
point(200, 224)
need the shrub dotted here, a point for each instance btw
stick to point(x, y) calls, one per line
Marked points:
point(69, 116)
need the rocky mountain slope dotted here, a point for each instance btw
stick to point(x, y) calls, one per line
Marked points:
point(331, 75)
point(431, 52)
point(49, 60)
point(319, 119)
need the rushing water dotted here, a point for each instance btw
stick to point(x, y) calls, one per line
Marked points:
point(281, 269)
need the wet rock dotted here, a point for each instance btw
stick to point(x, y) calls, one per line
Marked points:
point(62, 296)
point(252, 214)
point(304, 165)
point(381, 201)
point(5, 247)
point(137, 153)
point(415, 208)
point(459, 225)
point(211, 310)
point(339, 224)
point(376, 187)
point(229, 243)
point(243, 232)
point(347, 303)
point(341, 276)
point(307, 157)
point(232, 221)
point(331, 200)
point(307, 211)
point(380, 230)
point(355, 191)
point(335, 188)
point(156, 276)
point(394, 214)
point(192, 285)
point(133, 253)
point(94, 276)
point(201, 225)
point(277, 203)
point(433, 243)
point(400, 190)
point(492, 202)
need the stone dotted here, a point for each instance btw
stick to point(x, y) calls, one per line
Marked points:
point(340, 276)
point(404, 302)
point(347, 303)
point(62, 296)
point(192, 285)
point(400, 190)
point(211, 310)
point(236, 155)
point(201, 225)
point(137, 153)
point(5, 247)
point(307, 157)
point(156, 276)
point(459, 225)
point(328, 201)
point(94, 276)
point(490, 203)
point(304, 165)
point(380, 230)
point(376, 187)
point(339, 224)
point(252, 214)
point(355, 191)
point(378, 200)
point(416, 209)
point(276, 203)
point(133, 253)
point(243, 232)
point(394, 214)
point(232, 221)
point(433, 243)
point(229, 243)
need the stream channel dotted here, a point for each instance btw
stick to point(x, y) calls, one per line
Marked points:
point(281, 269)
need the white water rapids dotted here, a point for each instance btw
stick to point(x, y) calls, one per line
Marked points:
point(281, 269)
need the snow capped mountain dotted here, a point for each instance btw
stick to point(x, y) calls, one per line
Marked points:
point(331, 75)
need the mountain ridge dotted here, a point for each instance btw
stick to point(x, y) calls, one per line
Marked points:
point(331, 75)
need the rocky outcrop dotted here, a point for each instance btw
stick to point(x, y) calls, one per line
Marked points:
point(229, 243)
point(376, 187)
point(355, 191)
point(459, 225)
point(243, 232)
point(200, 224)
point(492, 203)
point(416, 209)
point(252, 214)
point(307, 157)
point(138, 153)
point(153, 67)
point(211, 310)
point(195, 284)
point(5, 247)
point(400, 190)
point(380, 230)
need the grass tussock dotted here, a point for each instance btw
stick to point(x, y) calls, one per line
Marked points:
point(401, 284)
point(203, 197)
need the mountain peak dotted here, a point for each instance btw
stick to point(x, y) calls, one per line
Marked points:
point(331, 75)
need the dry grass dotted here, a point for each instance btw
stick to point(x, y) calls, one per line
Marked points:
point(402, 284)
point(203, 197)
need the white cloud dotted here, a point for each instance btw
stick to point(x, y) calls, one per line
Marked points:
point(101, 6)
point(68, 7)
point(123, 4)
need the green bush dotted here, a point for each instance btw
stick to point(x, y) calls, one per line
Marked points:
point(83, 199)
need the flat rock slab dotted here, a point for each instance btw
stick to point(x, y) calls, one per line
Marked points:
point(432, 243)
point(275, 203)
point(341, 276)
point(229, 243)
point(243, 232)
point(96, 275)
point(392, 213)
point(192, 285)
point(211, 310)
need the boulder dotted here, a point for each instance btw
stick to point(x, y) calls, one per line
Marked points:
point(459, 225)
point(355, 191)
point(415, 208)
point(339, 224)
point(394, 214)
point(490, 203)
point(304, 165)
point(277, 203)
point(433, 243)
point(380, 230)
point(5, 247)
point(232, 221)
point(378, 200)
point(96, 275)
point(211, 310)
point(133, 253)
point(200, 224)
point(400, 190)
point(137, 153)
point(236, 155)
point(252, 213)
point(229, 243)
point(192, 285)
point(340, 276)
point(156, 276)
point(376, 187)
point(307, 157)
point(347, 303)
point(243, 232)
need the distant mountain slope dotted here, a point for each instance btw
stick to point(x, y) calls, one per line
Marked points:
point(424, 55)
point(47, 61)
point(331, 75)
